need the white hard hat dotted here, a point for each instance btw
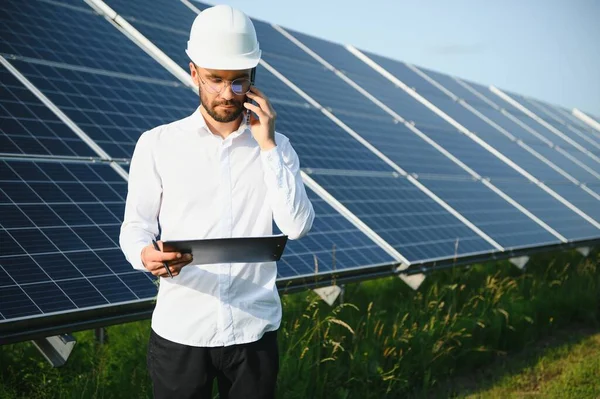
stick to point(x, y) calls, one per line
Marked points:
point(223, 38)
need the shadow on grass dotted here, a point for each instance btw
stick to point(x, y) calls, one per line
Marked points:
point(512, 365)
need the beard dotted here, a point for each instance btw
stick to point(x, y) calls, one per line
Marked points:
point(221, 115)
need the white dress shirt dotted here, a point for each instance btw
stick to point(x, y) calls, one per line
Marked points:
point(198, 185)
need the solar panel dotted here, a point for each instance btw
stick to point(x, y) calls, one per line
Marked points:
point(73, 35)
point(29, 127)
point(457, 144)
point(525, 159)
point(112, 109)
point(333, 244)
point(322, 144)
point(574, 134)
point(405, 148)
point(548, 110)
point(504, 223)
point(60, 218)
point(167, 26)
point(550, 210)
point(467, 89)
point(570, 118)
point(400, 213)
point(59, 224)
point(580, 198)
point(565, 140)
point(92, 72)
point(461, 146)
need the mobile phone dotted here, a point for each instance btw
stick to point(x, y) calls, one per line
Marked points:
point(252, 77)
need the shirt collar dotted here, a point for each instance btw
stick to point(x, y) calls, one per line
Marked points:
point(198, 124)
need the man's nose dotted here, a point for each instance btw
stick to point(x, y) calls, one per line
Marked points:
point(227, 93)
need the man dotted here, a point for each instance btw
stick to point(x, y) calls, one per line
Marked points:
point(221, 172)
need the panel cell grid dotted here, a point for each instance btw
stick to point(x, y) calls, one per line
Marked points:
point(574, 133)
point(29, 127)
point(548, 209)
point(405, 217)
point(504, 223)
point(167, 26)
point(113, 110)
point(72, 35)
point(332, 244)
point(60, 238)
point(320, 143)
point(402, 146)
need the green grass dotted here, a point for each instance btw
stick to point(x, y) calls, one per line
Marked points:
point(570, 369)
point(386, 341)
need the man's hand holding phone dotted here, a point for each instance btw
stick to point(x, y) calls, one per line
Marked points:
point(262, 119)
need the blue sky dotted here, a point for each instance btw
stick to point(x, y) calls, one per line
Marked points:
point(547, 49)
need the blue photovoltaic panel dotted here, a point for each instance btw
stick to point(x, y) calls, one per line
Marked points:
point(478, 125)
point(465, 149)
point(580, 137)
point(504, 122)
point(309, 75)
point(473, 155)
point(568, 165)
point(104, 82)
point(493, 215)
point(59, 228)
point(400, 213)
point(578, 197)
point(334, 242)
point(528, 161)
point(557, 139)
point(549, 210)
point(584, 159)
point(398, 144)
point(114, 110)
point(403, 73)
point(27, 126)
point(167, 25)
point(582, 129)
point(577, 136)
point(366, 77)
point(523, 158)
point(72, 35)
point(575, 121)
point(320, 143)
point(402, 146)
point(456, 88)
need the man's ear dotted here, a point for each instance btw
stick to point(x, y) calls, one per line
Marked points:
point(194, 74)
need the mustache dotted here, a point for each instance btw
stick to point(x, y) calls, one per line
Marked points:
point(228, 103)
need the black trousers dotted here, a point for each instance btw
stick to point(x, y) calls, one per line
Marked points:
point(242, 371)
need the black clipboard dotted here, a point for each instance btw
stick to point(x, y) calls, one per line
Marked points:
point(231, 250)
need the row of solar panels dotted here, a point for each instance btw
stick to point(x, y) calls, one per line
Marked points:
point(404, 166)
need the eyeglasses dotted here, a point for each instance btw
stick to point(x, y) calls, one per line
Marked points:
point(238, 86)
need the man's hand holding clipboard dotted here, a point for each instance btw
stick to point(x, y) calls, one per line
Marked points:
point(163, 264)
